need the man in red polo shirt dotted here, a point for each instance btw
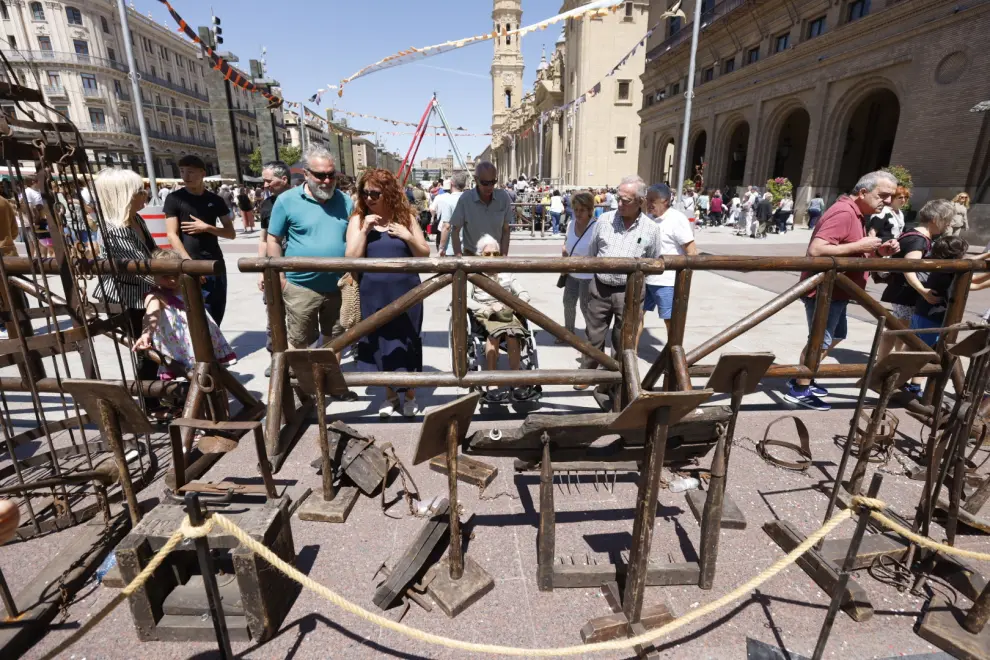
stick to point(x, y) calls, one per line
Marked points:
point(841, 233)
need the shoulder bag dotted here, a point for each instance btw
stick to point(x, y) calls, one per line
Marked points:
point(562, 280)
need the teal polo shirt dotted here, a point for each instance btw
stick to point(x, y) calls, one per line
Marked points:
point(312, 229)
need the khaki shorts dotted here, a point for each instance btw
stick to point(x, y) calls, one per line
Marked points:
point(309, 313)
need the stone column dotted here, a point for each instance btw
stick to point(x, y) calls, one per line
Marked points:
point(557, 152)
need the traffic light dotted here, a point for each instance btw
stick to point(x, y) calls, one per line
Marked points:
point(217, 31)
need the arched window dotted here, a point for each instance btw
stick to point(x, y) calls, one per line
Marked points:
point(104, 24)
point(37, 11)
point(508, 98)
point(3, 11)
point(73, 16)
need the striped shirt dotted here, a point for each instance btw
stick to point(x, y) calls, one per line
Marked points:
point(127, 244)
point(613, 239)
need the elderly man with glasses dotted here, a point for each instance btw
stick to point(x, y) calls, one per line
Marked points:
point(312, 220)
point(484, 210)
point(626, 232)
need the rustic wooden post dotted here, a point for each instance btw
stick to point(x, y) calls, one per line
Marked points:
point(819, 324)
point(110, 426)
point(546, 534)
point(711, 518)
point(458, 340)
point(455, 555)
point(646, 513)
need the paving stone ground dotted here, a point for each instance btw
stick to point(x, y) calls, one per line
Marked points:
point(785, 613)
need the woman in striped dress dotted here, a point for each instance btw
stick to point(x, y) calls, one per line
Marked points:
point(126, 237)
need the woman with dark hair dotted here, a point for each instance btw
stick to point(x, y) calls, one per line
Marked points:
point(384, 225)
point(247, 209)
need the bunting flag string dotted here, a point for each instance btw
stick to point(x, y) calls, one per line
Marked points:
point(436, 133)
point(594, 9)
point(596, 89)
point(218, 63)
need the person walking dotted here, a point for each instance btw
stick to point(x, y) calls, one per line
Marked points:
point(750, 201)
point(704, 203)
point(247, 209)
point(716, 209)
point(674, 236)
point(275, 176)
point(192, 214)
point(815, 209)
point(763, 213)
point(889, 222)
point(627, 232)
point(556, 211)
point(312, 219)
point(445, 211)
point(842, 233)
point(577, 243)
point(783, 213)
point(385, 226)
point(960, 222)
point(904, 289)
point(483, 210)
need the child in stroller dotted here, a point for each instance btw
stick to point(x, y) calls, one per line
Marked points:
point(497, 325)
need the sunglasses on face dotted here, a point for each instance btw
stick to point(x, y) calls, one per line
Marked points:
point(373, 195)
point(323, 176)
point(491, 254)
point(489, 182)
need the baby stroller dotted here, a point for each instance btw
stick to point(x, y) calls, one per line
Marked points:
point(521, 397)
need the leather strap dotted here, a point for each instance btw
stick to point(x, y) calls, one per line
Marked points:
point(803, 450)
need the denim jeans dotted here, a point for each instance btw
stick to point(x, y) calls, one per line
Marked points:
point(215, 296)
point(555, 221)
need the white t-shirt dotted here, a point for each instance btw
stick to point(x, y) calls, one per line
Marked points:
point(556, 204)
point(673, 233)
point(688, 202)
point(580, 247)
point(33, 197)
point(787, 204)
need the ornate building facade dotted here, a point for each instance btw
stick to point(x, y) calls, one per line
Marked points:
point(822, 92)
point(589, 144)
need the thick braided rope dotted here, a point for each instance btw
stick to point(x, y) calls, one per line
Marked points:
point(926, 542)
point(186, 530)
point(616, 645)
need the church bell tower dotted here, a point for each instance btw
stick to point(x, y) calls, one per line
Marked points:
point(507, 63)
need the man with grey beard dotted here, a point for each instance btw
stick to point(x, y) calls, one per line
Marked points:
point(312, 219)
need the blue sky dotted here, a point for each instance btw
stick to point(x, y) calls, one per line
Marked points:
point(312, 43)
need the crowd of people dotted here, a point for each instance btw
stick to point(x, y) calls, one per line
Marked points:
point(379, 218)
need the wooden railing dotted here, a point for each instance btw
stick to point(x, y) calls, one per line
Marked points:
point(825, 274)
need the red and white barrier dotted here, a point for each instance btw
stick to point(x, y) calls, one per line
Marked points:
point(154, 217)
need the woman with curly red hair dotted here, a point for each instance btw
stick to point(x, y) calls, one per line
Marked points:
point(384, 226)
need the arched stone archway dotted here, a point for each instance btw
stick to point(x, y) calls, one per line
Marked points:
point(736, 152)
point(698, 154)
point(868, 137)
point(790, 146)
point(664, 166)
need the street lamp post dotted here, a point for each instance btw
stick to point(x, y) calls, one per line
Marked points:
point(688, 97)
point(136, 90)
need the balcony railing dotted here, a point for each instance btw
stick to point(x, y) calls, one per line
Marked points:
point(184, 139)
point(708, 17)
point(55, 90)
point(190, 114)
point(247, 113)
point(62, 57)
point(203, 118)
point(122, 95)
point(156, 80)
point(92, 92)
point(177, 112)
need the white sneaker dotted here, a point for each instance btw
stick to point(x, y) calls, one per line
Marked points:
point(410, 408)
point(387, 409)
